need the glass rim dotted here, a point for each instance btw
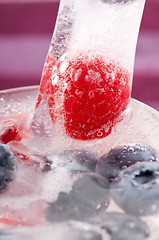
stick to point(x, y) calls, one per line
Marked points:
point(20, 89)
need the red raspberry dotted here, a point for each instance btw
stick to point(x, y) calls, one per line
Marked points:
point(46, 77)
point(9, 132)
point(89, 94)
point(14, 128)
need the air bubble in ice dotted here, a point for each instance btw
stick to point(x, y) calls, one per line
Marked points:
point(99, 134)
point(55, 79)
point(64, 65)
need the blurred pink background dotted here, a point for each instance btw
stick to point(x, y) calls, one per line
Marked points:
point(25, 33)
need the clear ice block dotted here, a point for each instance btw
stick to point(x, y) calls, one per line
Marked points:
point(87, 78)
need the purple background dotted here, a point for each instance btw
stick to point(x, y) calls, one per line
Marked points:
point(25, 34)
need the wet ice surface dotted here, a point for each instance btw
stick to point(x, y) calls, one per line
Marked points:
point(102, 30)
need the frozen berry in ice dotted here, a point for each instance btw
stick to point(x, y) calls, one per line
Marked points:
point(7, 166)
point(112, 163)
point(9, 132)
point(46, 77)
point(89, 94)
point(14, 128)
point(135, 189)
point(86, 158)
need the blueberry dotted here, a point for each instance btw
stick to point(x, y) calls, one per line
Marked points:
point(136, 189)
point(7, 166)
point(88, 197)
point(87, 159)
point(122, 226)
point(82, 231)
point(75, 160)
point(111, 164)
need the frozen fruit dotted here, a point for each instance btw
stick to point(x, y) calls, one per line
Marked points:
point(135, 189)
point(86, 158)
point(87, 198)
point(89, 95)
point(46, 77)
point(14, 128)
point(122, 226)
point(7, 166)
point(112, 163)
point(9, 132)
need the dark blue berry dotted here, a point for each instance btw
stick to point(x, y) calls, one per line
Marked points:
point(88, 197)
point(82, 231)
point(7, 166)
point(111, 164)
point(122, 226)
point(86, 159)
point(136, 189)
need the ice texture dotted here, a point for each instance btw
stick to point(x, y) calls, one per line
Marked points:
point(106, 27)
point(18, 100)
point(61, 37)
point(42, 128)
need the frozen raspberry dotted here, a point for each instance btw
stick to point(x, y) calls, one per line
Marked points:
point(89, 94)
point(14, 128)
point(46, 77)
point(9, 132)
